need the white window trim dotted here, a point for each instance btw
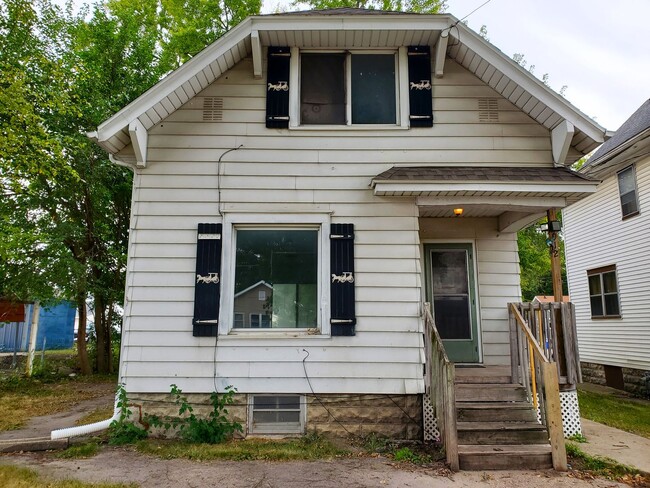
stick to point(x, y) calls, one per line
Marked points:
point(401, 91)
point(226, 308)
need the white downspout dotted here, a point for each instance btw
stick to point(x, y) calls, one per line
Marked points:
point(86, 429)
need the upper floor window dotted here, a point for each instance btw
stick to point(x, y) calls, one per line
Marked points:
point(628, 192)
point(348, 88)
point(603, 292)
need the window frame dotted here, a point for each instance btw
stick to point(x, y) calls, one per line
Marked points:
point(232, 222)
point(401, 90)
point(631, 168)
point(600, 272)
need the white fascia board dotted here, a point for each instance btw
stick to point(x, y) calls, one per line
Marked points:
point(515, 221)
point(561, 137)
point(352, 22)
point(383, 187)
point(528, 82)
point(172, 82)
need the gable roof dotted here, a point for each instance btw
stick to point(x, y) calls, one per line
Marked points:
point(633, 130)
point(350, 28)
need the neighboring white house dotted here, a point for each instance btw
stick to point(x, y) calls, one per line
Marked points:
point(323, 154)
point(607, 238)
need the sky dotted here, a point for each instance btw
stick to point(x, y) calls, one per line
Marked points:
point(599, 49)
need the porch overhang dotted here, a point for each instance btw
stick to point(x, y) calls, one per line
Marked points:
point(516, 196)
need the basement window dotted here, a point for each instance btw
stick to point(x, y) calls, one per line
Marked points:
point(276, 414)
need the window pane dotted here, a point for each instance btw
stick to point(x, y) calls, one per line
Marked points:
point(596, 306)
point(449, 272)
point(452, 317)
point(373, 89)
point(609, 282)
point(239, 320)
point(283, 263)
point(629, 203)
point(322, 89)
point(594, 285)
point(611, 304)
point(626, 181)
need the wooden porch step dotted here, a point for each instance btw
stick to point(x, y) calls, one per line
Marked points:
point(493, 392)
point(505, 456)
point(478, 379)
point(495, 411)
point(496, 433)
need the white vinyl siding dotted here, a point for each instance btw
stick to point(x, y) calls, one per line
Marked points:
point(596, 236)
point(314, 172)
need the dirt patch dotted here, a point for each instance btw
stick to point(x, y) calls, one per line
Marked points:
point(128, 466)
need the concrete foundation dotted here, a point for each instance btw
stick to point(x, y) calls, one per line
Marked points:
point(635, 381)
point(393, 416)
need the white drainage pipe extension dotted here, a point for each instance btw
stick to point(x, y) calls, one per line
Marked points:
point(85, 429)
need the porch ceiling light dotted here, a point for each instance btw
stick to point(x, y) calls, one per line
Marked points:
point(551, 226)
point(458, 212)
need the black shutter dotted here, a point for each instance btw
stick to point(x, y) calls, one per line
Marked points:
point(342, 277)
point(277, 88)
point(207, 280)
point(420, 86)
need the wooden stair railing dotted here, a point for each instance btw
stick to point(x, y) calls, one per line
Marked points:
point(532, 368)
point(439, 383)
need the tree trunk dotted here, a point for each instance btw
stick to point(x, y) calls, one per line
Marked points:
point(82, 352)
point(103, 337)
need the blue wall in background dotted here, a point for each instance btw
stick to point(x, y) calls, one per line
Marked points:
point(56, 328)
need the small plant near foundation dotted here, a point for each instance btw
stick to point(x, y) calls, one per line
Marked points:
point(123, 430)
point(375, 443)
point(579, 438)
point(79, 451)
point(214, 429)
point(405, 454)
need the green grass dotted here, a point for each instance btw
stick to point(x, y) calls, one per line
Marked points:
point(15, 477)
point(308, 447)
point(79, 451)
point(629, 415)
point(604, 467)
point(22, 398)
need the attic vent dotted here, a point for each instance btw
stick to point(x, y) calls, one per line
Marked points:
point(212, 109)
point(488, 110)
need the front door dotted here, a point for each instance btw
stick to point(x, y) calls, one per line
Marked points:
point(451, 291)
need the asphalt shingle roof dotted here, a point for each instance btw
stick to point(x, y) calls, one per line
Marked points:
point(344, 11)
point(637, 123)
point(475, 173)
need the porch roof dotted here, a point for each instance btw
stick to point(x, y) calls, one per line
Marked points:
point(516, 195)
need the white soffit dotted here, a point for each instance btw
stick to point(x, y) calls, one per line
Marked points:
point(317, 31)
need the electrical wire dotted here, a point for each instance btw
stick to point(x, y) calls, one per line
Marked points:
point(219, 175)
point(304, 367)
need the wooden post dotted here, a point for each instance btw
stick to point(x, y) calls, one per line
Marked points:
point(32, 338)
point(556, 278)
point(554, 416)
point(556, 267)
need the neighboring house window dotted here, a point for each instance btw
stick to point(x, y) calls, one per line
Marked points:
point(348, 88)
point(603, 292)
point(239, 320)
point(287, 259)
point(260, 320)
point(281, 414)
point(628, 192)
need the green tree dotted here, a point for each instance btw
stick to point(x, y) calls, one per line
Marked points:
point(65, 208)
point(416, 6)
point(535, 262)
